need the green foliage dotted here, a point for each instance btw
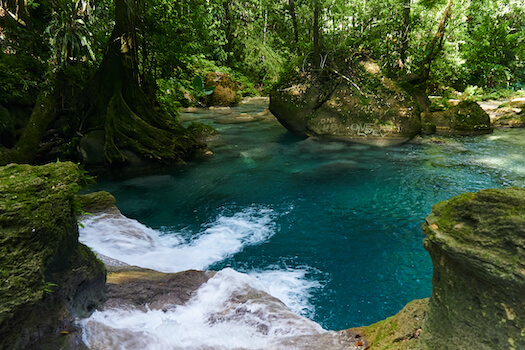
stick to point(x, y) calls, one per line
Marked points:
point(171, 96)
point(475, 93)
point(69, 35)
point(198, 85)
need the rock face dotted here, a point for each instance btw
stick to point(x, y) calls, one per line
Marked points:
point(466, 118)
point(477, 245)
point(356, 103)
point(225, 89)
point(399, 332)
point(48, 278)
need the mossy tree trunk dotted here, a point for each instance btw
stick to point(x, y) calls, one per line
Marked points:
point(117, 104)
point(26, 147)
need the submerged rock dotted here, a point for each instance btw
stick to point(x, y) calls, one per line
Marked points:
point(356, 103)
point(48, 277)
point(477, 245)
point(201, 310)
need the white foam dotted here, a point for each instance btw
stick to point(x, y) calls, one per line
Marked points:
point(291, 286)
point(217, 317)
point(128, 241)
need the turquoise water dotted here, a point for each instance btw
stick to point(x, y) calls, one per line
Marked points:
point(347, 215)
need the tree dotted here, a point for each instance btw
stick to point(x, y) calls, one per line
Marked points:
point(117, 104)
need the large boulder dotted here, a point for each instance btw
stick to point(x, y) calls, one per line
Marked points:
point(356, 103)
point(466, 118)
point(477, 245)
point(48, 277)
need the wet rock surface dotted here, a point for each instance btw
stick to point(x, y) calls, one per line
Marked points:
point(129, 286)
point(132, 288)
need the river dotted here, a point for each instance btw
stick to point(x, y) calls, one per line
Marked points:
point(333, 229)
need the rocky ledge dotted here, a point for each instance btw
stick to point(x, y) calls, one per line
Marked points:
point(477, 245)
point(48, 277)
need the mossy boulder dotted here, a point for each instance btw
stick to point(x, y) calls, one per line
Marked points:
point(48, 277)
point(477, 245)
point(225, 93)
point(355, 102)
point(466, 118)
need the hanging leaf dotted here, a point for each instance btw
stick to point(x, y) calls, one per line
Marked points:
point(208, 90)
point(198, 83)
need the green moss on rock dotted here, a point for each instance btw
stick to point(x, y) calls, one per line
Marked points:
point(42, 264)
point(467, 118)
point(477, 245)
point(97, 201)
point(350, 101)
point(399, 332)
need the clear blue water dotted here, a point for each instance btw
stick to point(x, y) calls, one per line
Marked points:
point(349, 214)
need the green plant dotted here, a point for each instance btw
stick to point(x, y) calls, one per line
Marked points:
point(49, 287)
point(68, 31)
point(198, 85)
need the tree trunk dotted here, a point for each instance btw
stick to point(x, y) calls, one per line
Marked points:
point(432, 50)
point(294, 22)
point(117, 104)
point(317, 49)
point(26, 147)
point(404, 35)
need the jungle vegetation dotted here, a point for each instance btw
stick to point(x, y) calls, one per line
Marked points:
point(123, 67)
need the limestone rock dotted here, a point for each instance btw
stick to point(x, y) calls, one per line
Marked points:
point(399, 332)
point(132, 288)
point(96, 202)
point(225, 89)
point(48, 277)
point(357, 103)
point(466, 118)
point(477, 245)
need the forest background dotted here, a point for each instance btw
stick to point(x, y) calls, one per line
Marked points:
point(53, 49)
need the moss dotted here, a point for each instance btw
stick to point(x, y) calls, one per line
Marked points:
point(96, 201)
point(464, 215)
point(36, 217)
point(398, 332)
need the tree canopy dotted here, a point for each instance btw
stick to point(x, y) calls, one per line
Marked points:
point(55, 48)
